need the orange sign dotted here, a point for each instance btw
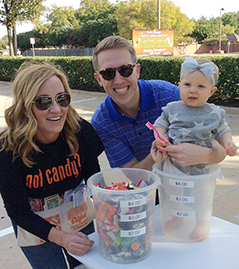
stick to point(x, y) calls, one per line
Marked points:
point(153, 42)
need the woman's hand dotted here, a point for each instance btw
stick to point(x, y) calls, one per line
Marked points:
point(75, 243)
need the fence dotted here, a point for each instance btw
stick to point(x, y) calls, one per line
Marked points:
point(60, 52)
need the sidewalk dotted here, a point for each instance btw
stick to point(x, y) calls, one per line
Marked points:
point(226, 194)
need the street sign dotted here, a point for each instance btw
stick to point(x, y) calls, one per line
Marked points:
point(32, 41)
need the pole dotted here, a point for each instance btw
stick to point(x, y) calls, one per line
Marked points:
point(220, 30)
point(158, 14)
point(32, 42)
point(33, 50)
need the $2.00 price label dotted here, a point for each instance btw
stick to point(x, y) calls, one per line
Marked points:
point(133, 233)
point(183, 214)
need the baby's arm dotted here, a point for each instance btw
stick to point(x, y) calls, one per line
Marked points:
point(226, 141)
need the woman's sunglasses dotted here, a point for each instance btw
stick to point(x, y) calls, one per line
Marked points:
point(45, 102)
point(124, 70)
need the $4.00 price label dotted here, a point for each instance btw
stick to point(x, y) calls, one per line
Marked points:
point(133, 202)
point(181, 184)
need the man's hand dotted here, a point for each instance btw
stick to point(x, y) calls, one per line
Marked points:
point(187, 154)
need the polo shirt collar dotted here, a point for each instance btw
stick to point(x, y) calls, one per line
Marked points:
point(146, 102)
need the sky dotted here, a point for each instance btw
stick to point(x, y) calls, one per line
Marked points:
point(193, 9)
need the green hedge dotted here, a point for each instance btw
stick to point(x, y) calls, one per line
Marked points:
point(79, 71)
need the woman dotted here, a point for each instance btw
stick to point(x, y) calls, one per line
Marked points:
point(47, 150)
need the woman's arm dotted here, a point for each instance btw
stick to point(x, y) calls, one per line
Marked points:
point(75, 243)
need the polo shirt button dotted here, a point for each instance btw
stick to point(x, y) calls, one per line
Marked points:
point(140, 133)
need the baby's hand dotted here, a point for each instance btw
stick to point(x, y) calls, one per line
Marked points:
point(161, 145)
point(157, 154)
point(231, 149)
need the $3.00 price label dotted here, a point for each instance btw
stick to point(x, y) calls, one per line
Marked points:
point(133, 217)
point(182, 199)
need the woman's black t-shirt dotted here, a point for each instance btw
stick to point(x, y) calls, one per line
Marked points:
point(54, 172)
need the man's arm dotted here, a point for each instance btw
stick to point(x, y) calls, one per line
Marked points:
point(155, 155)
point(146, 163)
point(186, 154)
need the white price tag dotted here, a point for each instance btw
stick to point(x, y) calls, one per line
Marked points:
point(181, 184)
point(133, 217)
point(133, 233)
point(133, 202)
point(183, 214)
point(182, 199)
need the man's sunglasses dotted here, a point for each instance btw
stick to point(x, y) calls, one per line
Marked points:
point(124, 70)
point(44, 102)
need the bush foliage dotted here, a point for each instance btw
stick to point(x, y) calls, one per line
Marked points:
point(79, 71)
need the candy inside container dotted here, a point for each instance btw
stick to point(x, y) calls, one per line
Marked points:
point(124, 201)
point(121, 186)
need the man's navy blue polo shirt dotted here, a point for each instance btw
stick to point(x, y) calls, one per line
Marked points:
point(126, 138)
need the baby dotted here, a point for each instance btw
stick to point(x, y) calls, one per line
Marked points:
point(193, 120)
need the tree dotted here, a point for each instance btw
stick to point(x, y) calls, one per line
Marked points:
point(137, 15)
point(12, 11)
point(173, 18)
point(232, 19)
point(3, 43)
point(97, 21)
point(61, 22)
point(142, 14)
point(61, 19)
point(208, 30)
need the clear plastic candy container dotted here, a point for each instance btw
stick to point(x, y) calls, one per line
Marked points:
point(186, 203)
point(124, 218)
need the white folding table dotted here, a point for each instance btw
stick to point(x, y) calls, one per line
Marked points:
point(219, 251)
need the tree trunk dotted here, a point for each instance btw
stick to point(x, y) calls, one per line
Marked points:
point(14, 32)
point(10, 41)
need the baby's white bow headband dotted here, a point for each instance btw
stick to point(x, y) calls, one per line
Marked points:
point(191, 65)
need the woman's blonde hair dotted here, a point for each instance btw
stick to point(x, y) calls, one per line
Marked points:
point(19, 135)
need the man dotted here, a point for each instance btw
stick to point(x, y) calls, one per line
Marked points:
point(120, 119)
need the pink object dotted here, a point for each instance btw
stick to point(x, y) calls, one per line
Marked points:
point(151, 127)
